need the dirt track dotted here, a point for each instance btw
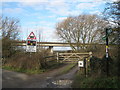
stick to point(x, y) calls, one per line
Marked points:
point(19, 80)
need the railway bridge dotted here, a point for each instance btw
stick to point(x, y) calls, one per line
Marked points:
point(59, 44)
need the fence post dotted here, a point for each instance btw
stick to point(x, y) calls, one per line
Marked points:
point(57, 57)
point(90, 54)
point(86, 66)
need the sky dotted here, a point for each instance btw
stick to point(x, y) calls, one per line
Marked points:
point(42, 15)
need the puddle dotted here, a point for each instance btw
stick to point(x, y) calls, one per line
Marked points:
point(62, 82)
point(48, 77)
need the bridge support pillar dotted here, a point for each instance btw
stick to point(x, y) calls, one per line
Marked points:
point(51, 49)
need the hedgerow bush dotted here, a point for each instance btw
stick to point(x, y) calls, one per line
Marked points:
point(98, 66)
point(29, 61)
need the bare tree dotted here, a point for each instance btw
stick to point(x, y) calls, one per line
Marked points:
point(10, 33)
point(112, 15)
point(40, 38)
point(81, 29)
point(10, 28)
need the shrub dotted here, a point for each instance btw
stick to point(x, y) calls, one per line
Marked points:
point(33, 61)
point(98, 66)
point(95, 82)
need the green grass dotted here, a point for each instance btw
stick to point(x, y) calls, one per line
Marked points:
point(50, 67)
point(95, 82)
point(53, 65)
point(66, 69)
point(28, 71)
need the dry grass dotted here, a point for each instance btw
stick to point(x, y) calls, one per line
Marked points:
point(34, 61)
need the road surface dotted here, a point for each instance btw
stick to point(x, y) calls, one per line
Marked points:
point(49, 79)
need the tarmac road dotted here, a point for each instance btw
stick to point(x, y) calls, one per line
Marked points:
point(12, 79)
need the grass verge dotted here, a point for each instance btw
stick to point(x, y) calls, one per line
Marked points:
point(66, 69)
point(33, 71)
point(95, 82)
point(28, 71)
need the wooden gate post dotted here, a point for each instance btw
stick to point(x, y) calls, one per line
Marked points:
point(90, 53)
point(57, 57)
point(86, 66)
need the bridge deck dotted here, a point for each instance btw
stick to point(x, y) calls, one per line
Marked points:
point(57, 44)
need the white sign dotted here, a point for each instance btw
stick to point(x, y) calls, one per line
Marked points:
point(31, 43)
point(80, 64)
point(31, 48)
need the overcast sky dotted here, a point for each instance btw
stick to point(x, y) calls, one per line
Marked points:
point(42, 15)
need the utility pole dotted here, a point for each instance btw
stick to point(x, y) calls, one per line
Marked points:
point(107, 55)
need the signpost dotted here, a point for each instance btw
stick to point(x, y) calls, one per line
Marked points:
point(108, 32)
point(107, 56)
point(31, 43)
